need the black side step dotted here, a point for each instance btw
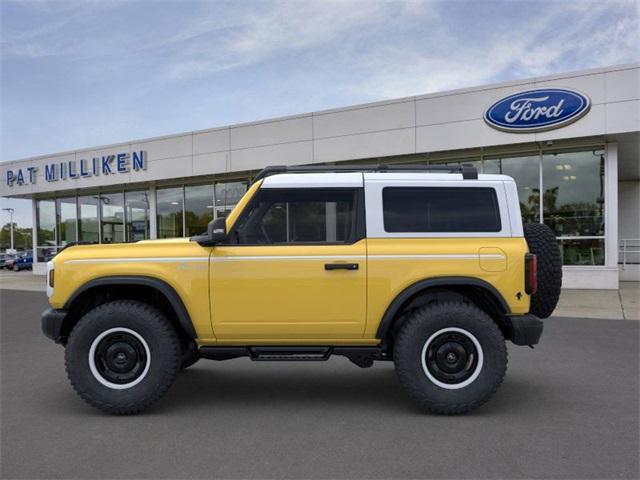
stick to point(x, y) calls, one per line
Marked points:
point(361, 356)
point(290, 354)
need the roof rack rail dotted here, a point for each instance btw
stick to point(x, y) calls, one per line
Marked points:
point(469, 172)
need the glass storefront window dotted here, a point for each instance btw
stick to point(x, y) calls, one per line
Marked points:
point(137, 216)
point(227, 195)
point(582, 251)
point(198, 208)
point(572, 201)
point(474, 162)
point(526, 172)
point(88, 219)
point(46, 229)
point(169, 206)
point(573, 198)
point(112, 217)
point(67, 220)
point(46, 222)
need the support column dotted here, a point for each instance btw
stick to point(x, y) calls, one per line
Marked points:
point(34, 235)
point(611, 206)
point(153, 225)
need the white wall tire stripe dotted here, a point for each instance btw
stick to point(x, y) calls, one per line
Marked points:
point(92, 360)
point(468, 381)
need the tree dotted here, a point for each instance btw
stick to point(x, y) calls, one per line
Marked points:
point(22, 237)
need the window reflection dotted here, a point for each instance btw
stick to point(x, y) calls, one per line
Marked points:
point(582, 251)
point(198, 208)
point(169, 212)
point(291, 216)
point(526, 172)
point(88, 219)
point(46, 222)
point(112, 217)
point(67, 220)
point(137, 216)
point(46, 229)
point(227, 195)
point(574, 193)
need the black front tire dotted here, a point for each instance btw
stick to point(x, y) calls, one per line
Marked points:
point(456, 327)
point(123, 356)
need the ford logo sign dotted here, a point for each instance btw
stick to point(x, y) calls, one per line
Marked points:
point(537, 110)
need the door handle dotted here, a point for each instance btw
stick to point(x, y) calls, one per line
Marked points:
point(341, 266)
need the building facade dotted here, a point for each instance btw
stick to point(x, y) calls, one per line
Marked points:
point(571, 142)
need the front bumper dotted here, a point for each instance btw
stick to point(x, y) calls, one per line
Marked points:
point(524, 329)
point(52, 321)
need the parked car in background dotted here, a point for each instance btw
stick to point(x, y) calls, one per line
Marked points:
point(21, 262)
point(4, 259)
point(8, 264)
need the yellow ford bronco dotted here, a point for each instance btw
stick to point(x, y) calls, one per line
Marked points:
point(426, 266)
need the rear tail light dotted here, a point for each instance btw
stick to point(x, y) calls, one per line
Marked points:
point(530, 273)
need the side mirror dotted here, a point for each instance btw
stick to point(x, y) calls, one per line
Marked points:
point(217, 230)
point(216, 233)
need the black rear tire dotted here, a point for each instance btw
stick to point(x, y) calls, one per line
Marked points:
point(423, 347)
point(542, 242)
point(123, 356)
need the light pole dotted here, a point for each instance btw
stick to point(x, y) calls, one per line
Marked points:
point(10, 210)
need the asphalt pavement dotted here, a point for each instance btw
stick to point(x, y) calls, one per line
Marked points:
point(568, 409)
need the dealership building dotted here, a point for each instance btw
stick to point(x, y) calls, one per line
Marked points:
point(571, 142)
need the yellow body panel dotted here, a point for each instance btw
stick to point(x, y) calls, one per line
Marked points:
point(282, 294)
point(188, 274)
point(395, 264)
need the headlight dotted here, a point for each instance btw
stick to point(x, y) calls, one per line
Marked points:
point(50, 278)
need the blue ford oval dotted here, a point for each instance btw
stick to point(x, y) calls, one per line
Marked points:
point(537, 110)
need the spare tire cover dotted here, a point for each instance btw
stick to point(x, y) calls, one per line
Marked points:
point(542, 242)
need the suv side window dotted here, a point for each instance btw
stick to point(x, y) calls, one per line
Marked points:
point(294, 216)
point(440, 209)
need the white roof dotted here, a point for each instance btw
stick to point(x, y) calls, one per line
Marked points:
point(439, 177)
point(310, 180)
point(356, 179)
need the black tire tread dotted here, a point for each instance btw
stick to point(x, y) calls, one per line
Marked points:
point(542, 242)
point(164, 328)
point(405, 339)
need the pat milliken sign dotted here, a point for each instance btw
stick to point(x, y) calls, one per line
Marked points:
point(104, 165)
point(537, 110)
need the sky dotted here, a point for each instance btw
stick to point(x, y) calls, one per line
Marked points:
point(82, 74)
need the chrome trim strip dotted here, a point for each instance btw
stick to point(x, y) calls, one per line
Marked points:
point(452, 256)
point(288, 257)
point(141, 260)
point(445, 256)
point(464, 256)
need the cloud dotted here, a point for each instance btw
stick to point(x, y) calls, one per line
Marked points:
point(102, 72)
point(397, 48)
point(271, 29)
point(556, 39)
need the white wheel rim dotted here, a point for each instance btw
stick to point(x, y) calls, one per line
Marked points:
point(92, 359)
point(474, 375)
